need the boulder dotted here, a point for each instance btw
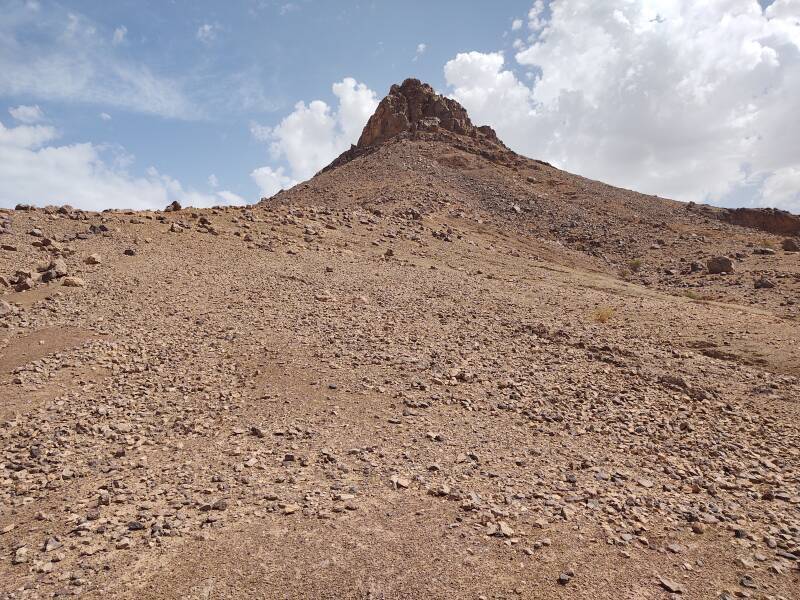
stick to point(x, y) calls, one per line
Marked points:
point(73, 282)
point(764, 284)
point(719, 264)
point(790, 245)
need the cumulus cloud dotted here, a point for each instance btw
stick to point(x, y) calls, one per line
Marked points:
point(35, 170)
point(420, 51)
point(684, 99)
point(516, 24)
point(27, 114)
point(313, 135)
point(61, 57)
point(271, 180)
point(105, 116)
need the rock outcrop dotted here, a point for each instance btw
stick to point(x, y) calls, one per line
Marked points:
point(772, 220)
point(415, 106)
point(413, 110)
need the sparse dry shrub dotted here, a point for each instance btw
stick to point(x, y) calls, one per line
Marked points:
point(602, 314)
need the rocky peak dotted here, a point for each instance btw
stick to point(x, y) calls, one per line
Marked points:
point(415, 106)
point(413, 110)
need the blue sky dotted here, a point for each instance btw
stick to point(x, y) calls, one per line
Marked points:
point(135, 103)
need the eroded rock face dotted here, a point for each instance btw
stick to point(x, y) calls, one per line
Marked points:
point(413, 110)
point(771, 220)
point(415, 106)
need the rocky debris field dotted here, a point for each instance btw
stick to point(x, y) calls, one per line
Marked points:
point(420, 374)
point(399, 405)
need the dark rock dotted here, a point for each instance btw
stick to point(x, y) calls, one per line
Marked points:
point(719, 264)
point(790, 245)
point(764, 284)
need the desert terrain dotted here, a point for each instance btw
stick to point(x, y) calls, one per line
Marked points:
point(438, 369)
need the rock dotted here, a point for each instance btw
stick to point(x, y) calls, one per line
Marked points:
point(763, 284)
point(504, 530)
point(72, 282)
point(400, 482)
point(790, 245)
point(56, 269)
point(671, 586)
point(173, 206)
point(565, 577)
point(698, 527)
point(719, 264)
point(93, 259)
point(24, 284)
point(5, 308)
point(413, 107)
point(52, 543)
point(20, 556)
point(129, 252)
point(124, 544)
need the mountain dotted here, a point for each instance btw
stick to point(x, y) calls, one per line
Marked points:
point(436, 369)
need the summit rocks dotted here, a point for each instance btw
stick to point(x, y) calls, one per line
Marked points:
point(415, 106)
point(413, 110)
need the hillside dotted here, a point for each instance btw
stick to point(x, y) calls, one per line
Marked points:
point(437, 369)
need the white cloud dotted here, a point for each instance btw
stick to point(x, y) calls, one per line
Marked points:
point(34, 170)
point(105, 116)
point(678, 98)
point(420, 51)
point(119, 35)
point(26, 136)
point(60, 56)
point(27, 114)
point(313, 135)
point(229, 197)
point(262, 133)
point(289, 7)
point(516, 24)
point(213, 181)
point(207, 33)
point(271, 181)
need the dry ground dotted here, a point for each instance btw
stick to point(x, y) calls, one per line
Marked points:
point(286, 410)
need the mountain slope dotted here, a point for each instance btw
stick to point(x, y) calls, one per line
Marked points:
point(419, 374)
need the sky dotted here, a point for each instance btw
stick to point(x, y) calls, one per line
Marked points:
point(134, 104)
